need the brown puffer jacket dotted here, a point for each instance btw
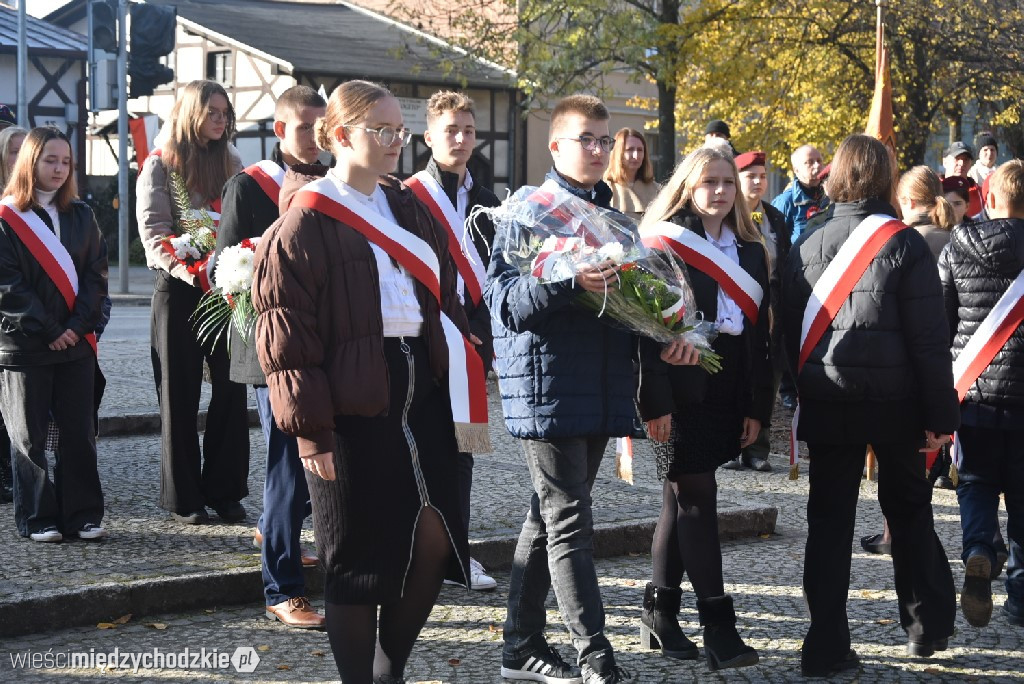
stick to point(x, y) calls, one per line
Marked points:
point(319, 335)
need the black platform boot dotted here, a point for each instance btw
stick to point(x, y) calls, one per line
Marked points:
point(722, 644)
point(659, 627)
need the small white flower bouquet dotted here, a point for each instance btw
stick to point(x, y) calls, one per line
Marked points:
point(197, 240)
point(230, 301)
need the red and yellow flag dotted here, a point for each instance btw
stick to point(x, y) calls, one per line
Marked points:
point(880, 123)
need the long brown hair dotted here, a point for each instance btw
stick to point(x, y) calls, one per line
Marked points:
point(22, 184)
point(348, 104)
point(204, 168)
point(924, 187)
point(863, 168)
point(617, 170)
point(678, 192)
point(5, 142)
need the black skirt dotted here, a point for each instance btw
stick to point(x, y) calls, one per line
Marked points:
point(707, 434)
point(388, 468)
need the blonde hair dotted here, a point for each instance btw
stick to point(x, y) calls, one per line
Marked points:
point(5, 141)
point(204, 168)
point(616, 169)
point(22, 184)
point(924, 187)
point(448, 101)
point(349, 103)
point(678, 192)
point(1007, 182)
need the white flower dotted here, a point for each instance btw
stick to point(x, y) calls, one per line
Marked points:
point(204, 234)
point(183, 247)
point(234, 270)
point(612, 251)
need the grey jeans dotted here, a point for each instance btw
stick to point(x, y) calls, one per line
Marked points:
point(556, 550)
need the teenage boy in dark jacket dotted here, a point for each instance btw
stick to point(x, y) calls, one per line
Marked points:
point(451, 137)
point(249, 206)
point(567, 386)
point(982, 262)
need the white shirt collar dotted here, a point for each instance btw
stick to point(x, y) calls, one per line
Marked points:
point(726, 239)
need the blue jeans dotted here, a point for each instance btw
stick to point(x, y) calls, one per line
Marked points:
point(285, 506)
point(992, 461)
point(556, 550)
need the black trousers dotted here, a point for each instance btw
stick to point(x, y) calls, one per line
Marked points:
point(29, 394)
point(924, 582)
point(188, 480)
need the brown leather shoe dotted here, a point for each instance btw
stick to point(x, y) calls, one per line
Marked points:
point(296, 612)
point(309, 559)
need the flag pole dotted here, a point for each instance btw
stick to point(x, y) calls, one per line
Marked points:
point(881, 6)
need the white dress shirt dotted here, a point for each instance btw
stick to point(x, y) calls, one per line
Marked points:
point(399, 308)
point(461, 207)
point(730, 317)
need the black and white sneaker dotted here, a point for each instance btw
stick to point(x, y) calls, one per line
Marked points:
point(601, 669)
point(91, 532)
point(542, 666)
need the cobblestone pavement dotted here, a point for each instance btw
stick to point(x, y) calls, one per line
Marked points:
point(462, 640)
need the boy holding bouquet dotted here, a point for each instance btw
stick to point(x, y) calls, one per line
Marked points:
point(567, 386)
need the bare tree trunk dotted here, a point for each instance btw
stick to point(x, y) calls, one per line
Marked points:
point(666, 131)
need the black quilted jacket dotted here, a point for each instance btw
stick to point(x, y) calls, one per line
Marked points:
point(976, 268)
point(882, 372)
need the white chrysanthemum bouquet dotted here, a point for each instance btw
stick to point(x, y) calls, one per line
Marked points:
point(231, 298)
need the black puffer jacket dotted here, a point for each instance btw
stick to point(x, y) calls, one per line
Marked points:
point(33, 312)
point(882, 372)
point(976, 268)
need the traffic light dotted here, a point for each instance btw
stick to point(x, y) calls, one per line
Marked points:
point(103, 28)
point(152, 37)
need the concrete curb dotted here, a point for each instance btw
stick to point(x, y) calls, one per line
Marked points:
point(149, 423)
point(106, 602)
point(131, 299)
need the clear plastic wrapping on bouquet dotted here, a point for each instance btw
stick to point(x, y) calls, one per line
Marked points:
point(549, 234)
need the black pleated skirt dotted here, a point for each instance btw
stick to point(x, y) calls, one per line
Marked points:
point(388, 468)
point(707, 434)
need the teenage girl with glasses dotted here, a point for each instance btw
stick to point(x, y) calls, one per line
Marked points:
point(202, 122)
point(356, 363)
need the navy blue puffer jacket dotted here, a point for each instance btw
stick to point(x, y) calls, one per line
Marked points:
point(562, 372)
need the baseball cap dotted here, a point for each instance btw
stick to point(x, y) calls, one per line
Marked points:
point(958, 148)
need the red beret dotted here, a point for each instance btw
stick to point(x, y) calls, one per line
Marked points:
point(954, 183)
point(748, 159)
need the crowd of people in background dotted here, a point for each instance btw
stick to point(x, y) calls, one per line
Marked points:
point(869, 287)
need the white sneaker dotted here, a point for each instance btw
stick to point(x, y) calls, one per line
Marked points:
point(478, 578)
point(90, 531)
point(47, 534)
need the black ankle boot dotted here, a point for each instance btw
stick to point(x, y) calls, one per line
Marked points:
point(659, 627)
point(722, 644)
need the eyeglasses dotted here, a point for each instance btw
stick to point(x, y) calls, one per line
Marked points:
point(591, 143)
point(216, 116)
point(387, 135)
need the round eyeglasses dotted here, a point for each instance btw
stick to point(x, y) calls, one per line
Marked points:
point(591, 143)
point(387, 136)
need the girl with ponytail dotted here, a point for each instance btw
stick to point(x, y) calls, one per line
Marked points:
point(924, 207)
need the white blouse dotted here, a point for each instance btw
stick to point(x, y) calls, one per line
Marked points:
point(730, 317)
point(399, 308)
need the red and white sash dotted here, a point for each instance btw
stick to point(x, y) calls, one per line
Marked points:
point(430, 192)
point(1000, 323)
point(833, 289)
point(466, 381)
point(269, 176)
point(705, 257)
point(48, 250)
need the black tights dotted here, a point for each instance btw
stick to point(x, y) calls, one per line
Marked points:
point(360, 651)
point(686, 537)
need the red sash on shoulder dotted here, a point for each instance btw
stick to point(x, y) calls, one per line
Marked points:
point(269, 176)
point(834, 287)
point(466, 381)
point(1000, 323)
point(705, 257)
point(48, 250)
point(430, 192)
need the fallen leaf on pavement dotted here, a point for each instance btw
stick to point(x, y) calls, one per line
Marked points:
point(319, 654)
point(454, 662)
point(106, 625)
point(264, 648)
point(885, 621)
point(156, 625)
point(123, 619)
point(284, 667)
